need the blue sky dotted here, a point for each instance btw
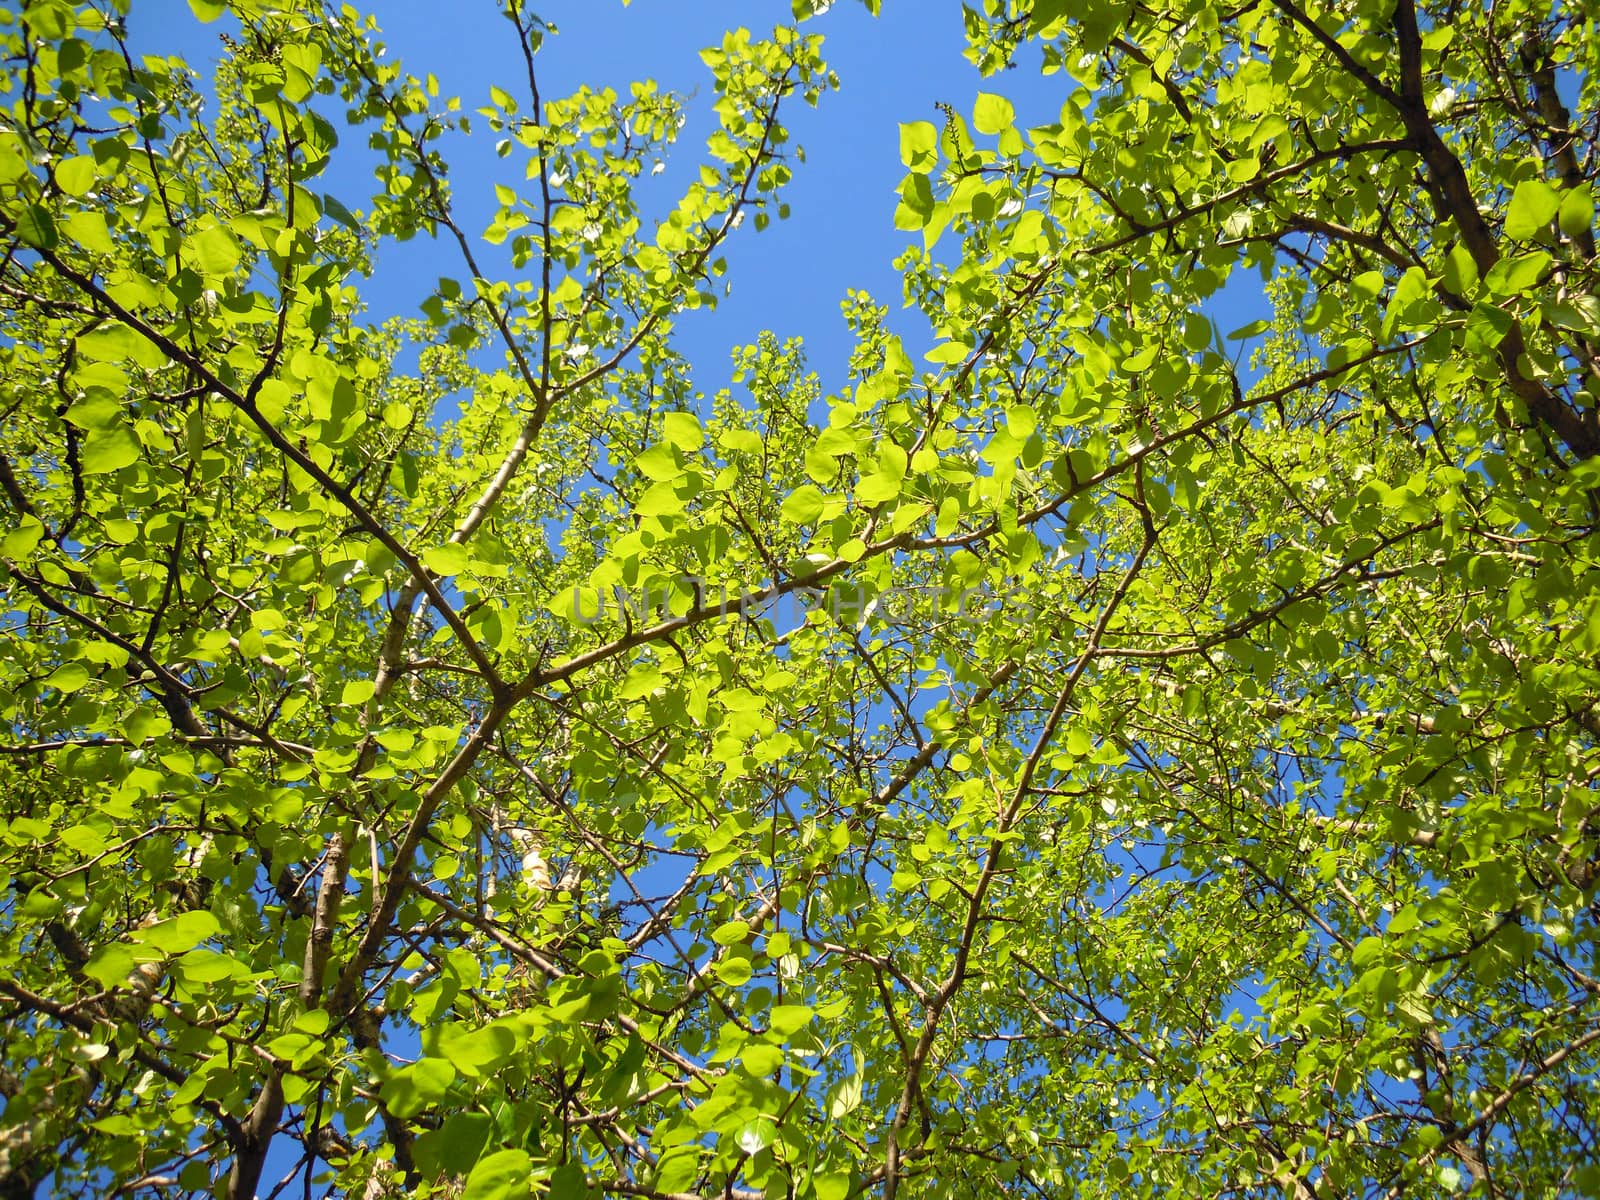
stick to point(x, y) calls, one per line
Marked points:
point(791, 277)
point(788, 279)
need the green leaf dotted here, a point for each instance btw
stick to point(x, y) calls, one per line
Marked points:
point(96, 411)
point(357, 692)
point(642, 680)
point(37, 228)
point(1576, 214)
point(568, 1182)
point(1533, 206)
point(992, 114)
point(114, 342)
point(761, 1060)
point(478, 1053)
point(659, 463)
point(203, 967)
point(1045, 13)
point(117, 1125)
point(503, 1175)
point(667, 499)
point(892, 461)
point(804, 505)
point(1367, 950)
point(919, 146)
point(112, 963)
point(336, 209)
point(879, 487)
point(20, 542)
point(1488, 324)
point(1516, 276)
point(449, 559)
point(69, 677)
point(76, 176)
point(916, 194)
point(108, 450)
point(145, 723)
point(212, 251)
point(683, 431)
point(677, 1169)
point(948, 353)
point(462, 1139)
point(1460, 271)
point(419, 1086)
point(788, 1019)
point(844, 1097)
point(181, 933)
point(1021, 421)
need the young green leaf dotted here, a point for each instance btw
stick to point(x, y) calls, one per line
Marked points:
point(1533, 206)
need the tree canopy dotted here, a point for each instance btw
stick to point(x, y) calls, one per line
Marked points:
point(1092, 752)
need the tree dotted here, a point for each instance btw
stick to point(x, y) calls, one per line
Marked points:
point(1106, 757)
